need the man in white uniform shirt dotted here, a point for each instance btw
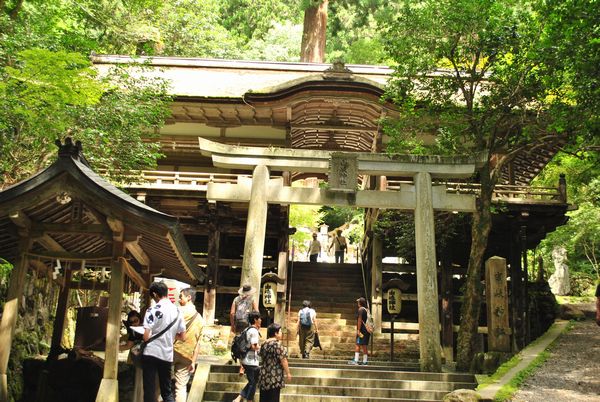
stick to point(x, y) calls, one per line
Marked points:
point(158, 354)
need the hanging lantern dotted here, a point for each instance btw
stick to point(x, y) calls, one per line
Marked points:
point(394, 300)
point(269, 294)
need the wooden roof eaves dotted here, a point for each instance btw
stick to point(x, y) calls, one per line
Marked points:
point(286, 90)
point(106, 198)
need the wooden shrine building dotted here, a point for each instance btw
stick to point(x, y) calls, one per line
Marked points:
point(67, 219)
point(306, 107)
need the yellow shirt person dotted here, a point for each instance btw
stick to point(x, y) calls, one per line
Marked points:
point(186, 352)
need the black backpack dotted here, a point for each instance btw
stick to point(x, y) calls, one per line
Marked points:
point(240, 347)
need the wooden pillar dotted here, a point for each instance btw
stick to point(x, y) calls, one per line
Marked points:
point(10, 313)
point(447, 311)
point(256, 226)
point(283, 258)
point(497, 305)
point(427, 290)
point(212, 270)
point(516, 289)
point(61, 314)
point(525, 287)
point(109, 387)
point(376, 282)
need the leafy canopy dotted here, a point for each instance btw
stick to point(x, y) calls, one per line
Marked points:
point(48, 95)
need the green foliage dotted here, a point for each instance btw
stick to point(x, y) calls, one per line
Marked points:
point(580, 236)
point(397, 228)
point(507, 391)
point(305, 217)
point(49, 95)
point(279, 43)
point(354, 31)
point(335, 217)
point(194, 28)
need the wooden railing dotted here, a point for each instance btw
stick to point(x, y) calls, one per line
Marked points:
point(157, 179)
point(502, 192)
point(177, 180)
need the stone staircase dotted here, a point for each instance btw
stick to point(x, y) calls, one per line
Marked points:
point(336, 381)
point(333, 290)
point(327, 376)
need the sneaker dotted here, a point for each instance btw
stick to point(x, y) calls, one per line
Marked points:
point(353, 363)
point(362, 363)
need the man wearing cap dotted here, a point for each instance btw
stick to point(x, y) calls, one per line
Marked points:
point(362, 335)
point(242, 305)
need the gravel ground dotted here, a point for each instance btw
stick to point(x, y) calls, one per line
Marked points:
point(572, 371)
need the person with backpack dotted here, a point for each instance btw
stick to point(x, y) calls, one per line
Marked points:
point(186, 352)
point(307, 328)
point(364, 328)
point(339, 245)
point(250, 359)
point(243, 304)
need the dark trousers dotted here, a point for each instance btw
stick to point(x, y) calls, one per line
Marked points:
point(271, 395)
point(339, 257)
point(152, 366)
point(313, 257)
point(250, 389)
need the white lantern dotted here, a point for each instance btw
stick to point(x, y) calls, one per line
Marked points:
point(394, 300)
point(269, 294)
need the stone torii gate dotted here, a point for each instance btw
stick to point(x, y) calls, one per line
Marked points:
point(343, 168)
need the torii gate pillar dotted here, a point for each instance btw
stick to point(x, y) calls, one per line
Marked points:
point(427, 289)
point(256, 227)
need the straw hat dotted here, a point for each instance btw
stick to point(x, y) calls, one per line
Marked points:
point(246, 290)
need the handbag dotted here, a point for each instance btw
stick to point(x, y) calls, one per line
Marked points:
point(137, 351)
point(317, 342)
point(342, 246)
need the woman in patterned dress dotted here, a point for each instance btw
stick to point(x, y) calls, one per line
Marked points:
point(274, 364)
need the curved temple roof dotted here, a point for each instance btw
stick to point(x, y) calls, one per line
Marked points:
point(68, 197)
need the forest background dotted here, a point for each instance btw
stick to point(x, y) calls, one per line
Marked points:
point(544, 55)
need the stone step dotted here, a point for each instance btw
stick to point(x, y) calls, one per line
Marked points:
point(224, 396)
point(372, 392)
point(413, 385)
point(371, 371)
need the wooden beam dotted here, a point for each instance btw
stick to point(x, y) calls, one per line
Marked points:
point(59, 318)
point(89, 285)
point(71, 228)
point(117, 227)
point(20, 219)
point(137, 252)
point(326, 127)
point(233, 262)
point(49, 243)
point(8, 321)
point(68, 256)
point(133, 274)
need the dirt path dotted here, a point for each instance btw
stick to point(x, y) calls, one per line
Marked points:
point(572, 371)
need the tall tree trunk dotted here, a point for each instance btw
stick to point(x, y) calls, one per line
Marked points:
point(313, 36)
point(471, 307)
